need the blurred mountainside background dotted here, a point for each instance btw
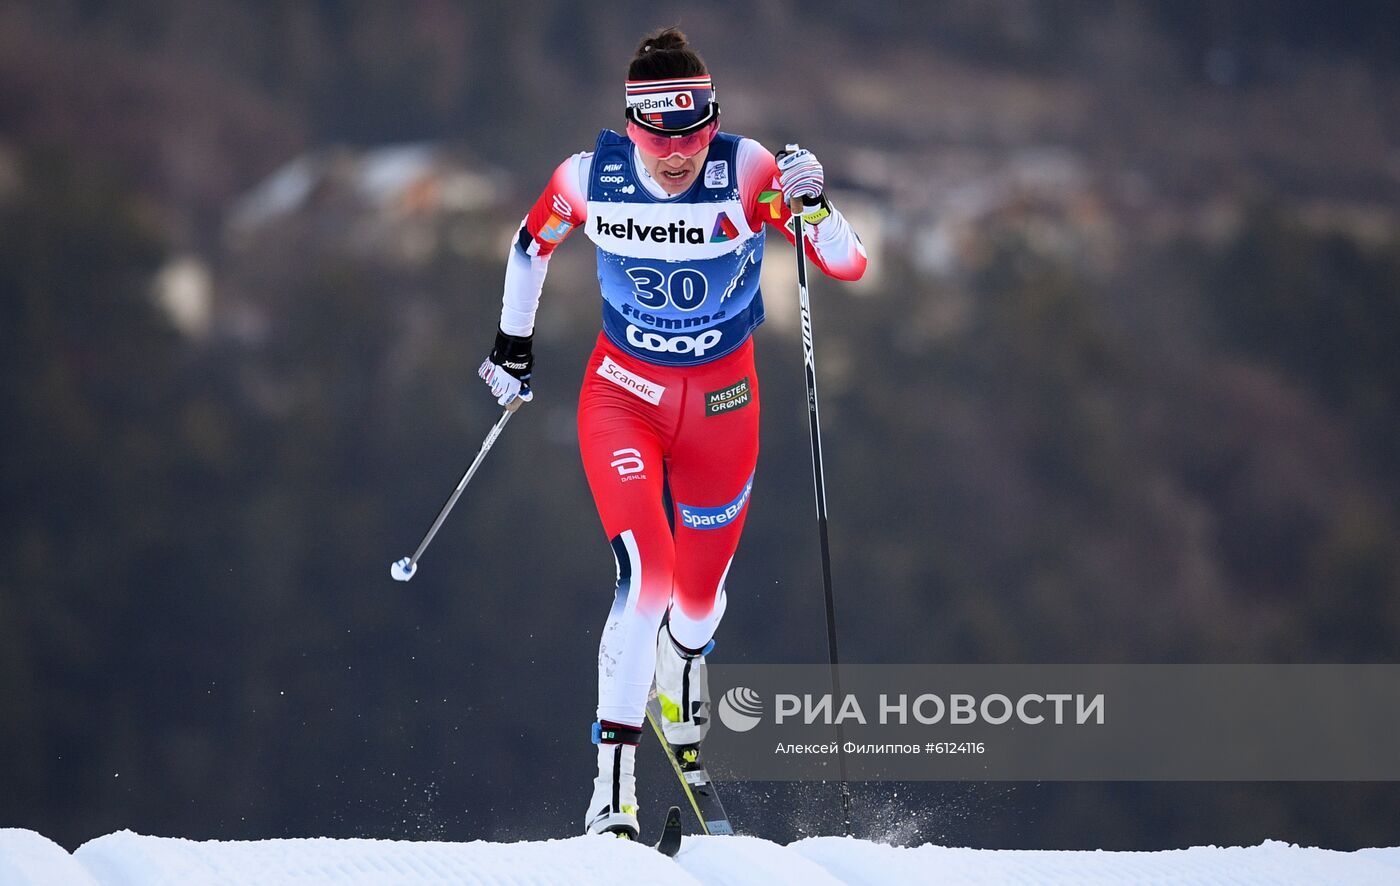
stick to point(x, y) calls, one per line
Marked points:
point(1121, 386)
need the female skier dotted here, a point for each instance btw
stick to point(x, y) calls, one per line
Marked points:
point(676, 208)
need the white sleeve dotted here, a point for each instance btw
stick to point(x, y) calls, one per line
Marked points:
point(524, 282)
point(528, 261)
point(838, 248)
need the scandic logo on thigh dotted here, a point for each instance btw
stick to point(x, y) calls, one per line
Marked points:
point(673, 344)
point(649, 391)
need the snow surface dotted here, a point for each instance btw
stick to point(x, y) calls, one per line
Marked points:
point(27, 857)
point(128, 859)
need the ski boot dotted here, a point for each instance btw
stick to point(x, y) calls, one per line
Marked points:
point(613, 807)
point(683, 692)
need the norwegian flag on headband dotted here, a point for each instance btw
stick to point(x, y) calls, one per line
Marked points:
point(671, 104)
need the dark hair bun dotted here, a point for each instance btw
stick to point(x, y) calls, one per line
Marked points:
point(666, 38)
point(664, 54)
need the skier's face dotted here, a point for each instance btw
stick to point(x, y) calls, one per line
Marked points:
point(674, 160)
point(675, 173)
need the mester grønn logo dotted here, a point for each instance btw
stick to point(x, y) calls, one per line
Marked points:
point(740, 709)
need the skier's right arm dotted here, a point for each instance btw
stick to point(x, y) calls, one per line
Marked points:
point(559, 209)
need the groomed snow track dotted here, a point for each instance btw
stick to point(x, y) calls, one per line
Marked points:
point(127, 859)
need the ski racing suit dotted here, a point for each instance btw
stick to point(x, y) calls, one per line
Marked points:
point(670, 395)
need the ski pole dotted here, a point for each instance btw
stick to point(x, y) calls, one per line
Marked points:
point(402, 570)
point(809, 359)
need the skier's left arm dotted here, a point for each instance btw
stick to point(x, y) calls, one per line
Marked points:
point(768, 184)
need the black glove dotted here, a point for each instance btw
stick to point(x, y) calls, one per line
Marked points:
point(509, 367)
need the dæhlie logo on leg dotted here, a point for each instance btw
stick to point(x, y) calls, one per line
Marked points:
point(740, 709)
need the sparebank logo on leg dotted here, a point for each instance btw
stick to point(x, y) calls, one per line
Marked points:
point(673, 344)
point(740, 709)
point(714, 518)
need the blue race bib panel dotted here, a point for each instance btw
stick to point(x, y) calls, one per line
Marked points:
point(679, 277)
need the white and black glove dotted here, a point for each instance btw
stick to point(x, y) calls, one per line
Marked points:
point(508, 368)
point(800, 176)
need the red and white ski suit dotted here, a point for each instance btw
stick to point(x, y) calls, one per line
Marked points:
point(658, 409)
